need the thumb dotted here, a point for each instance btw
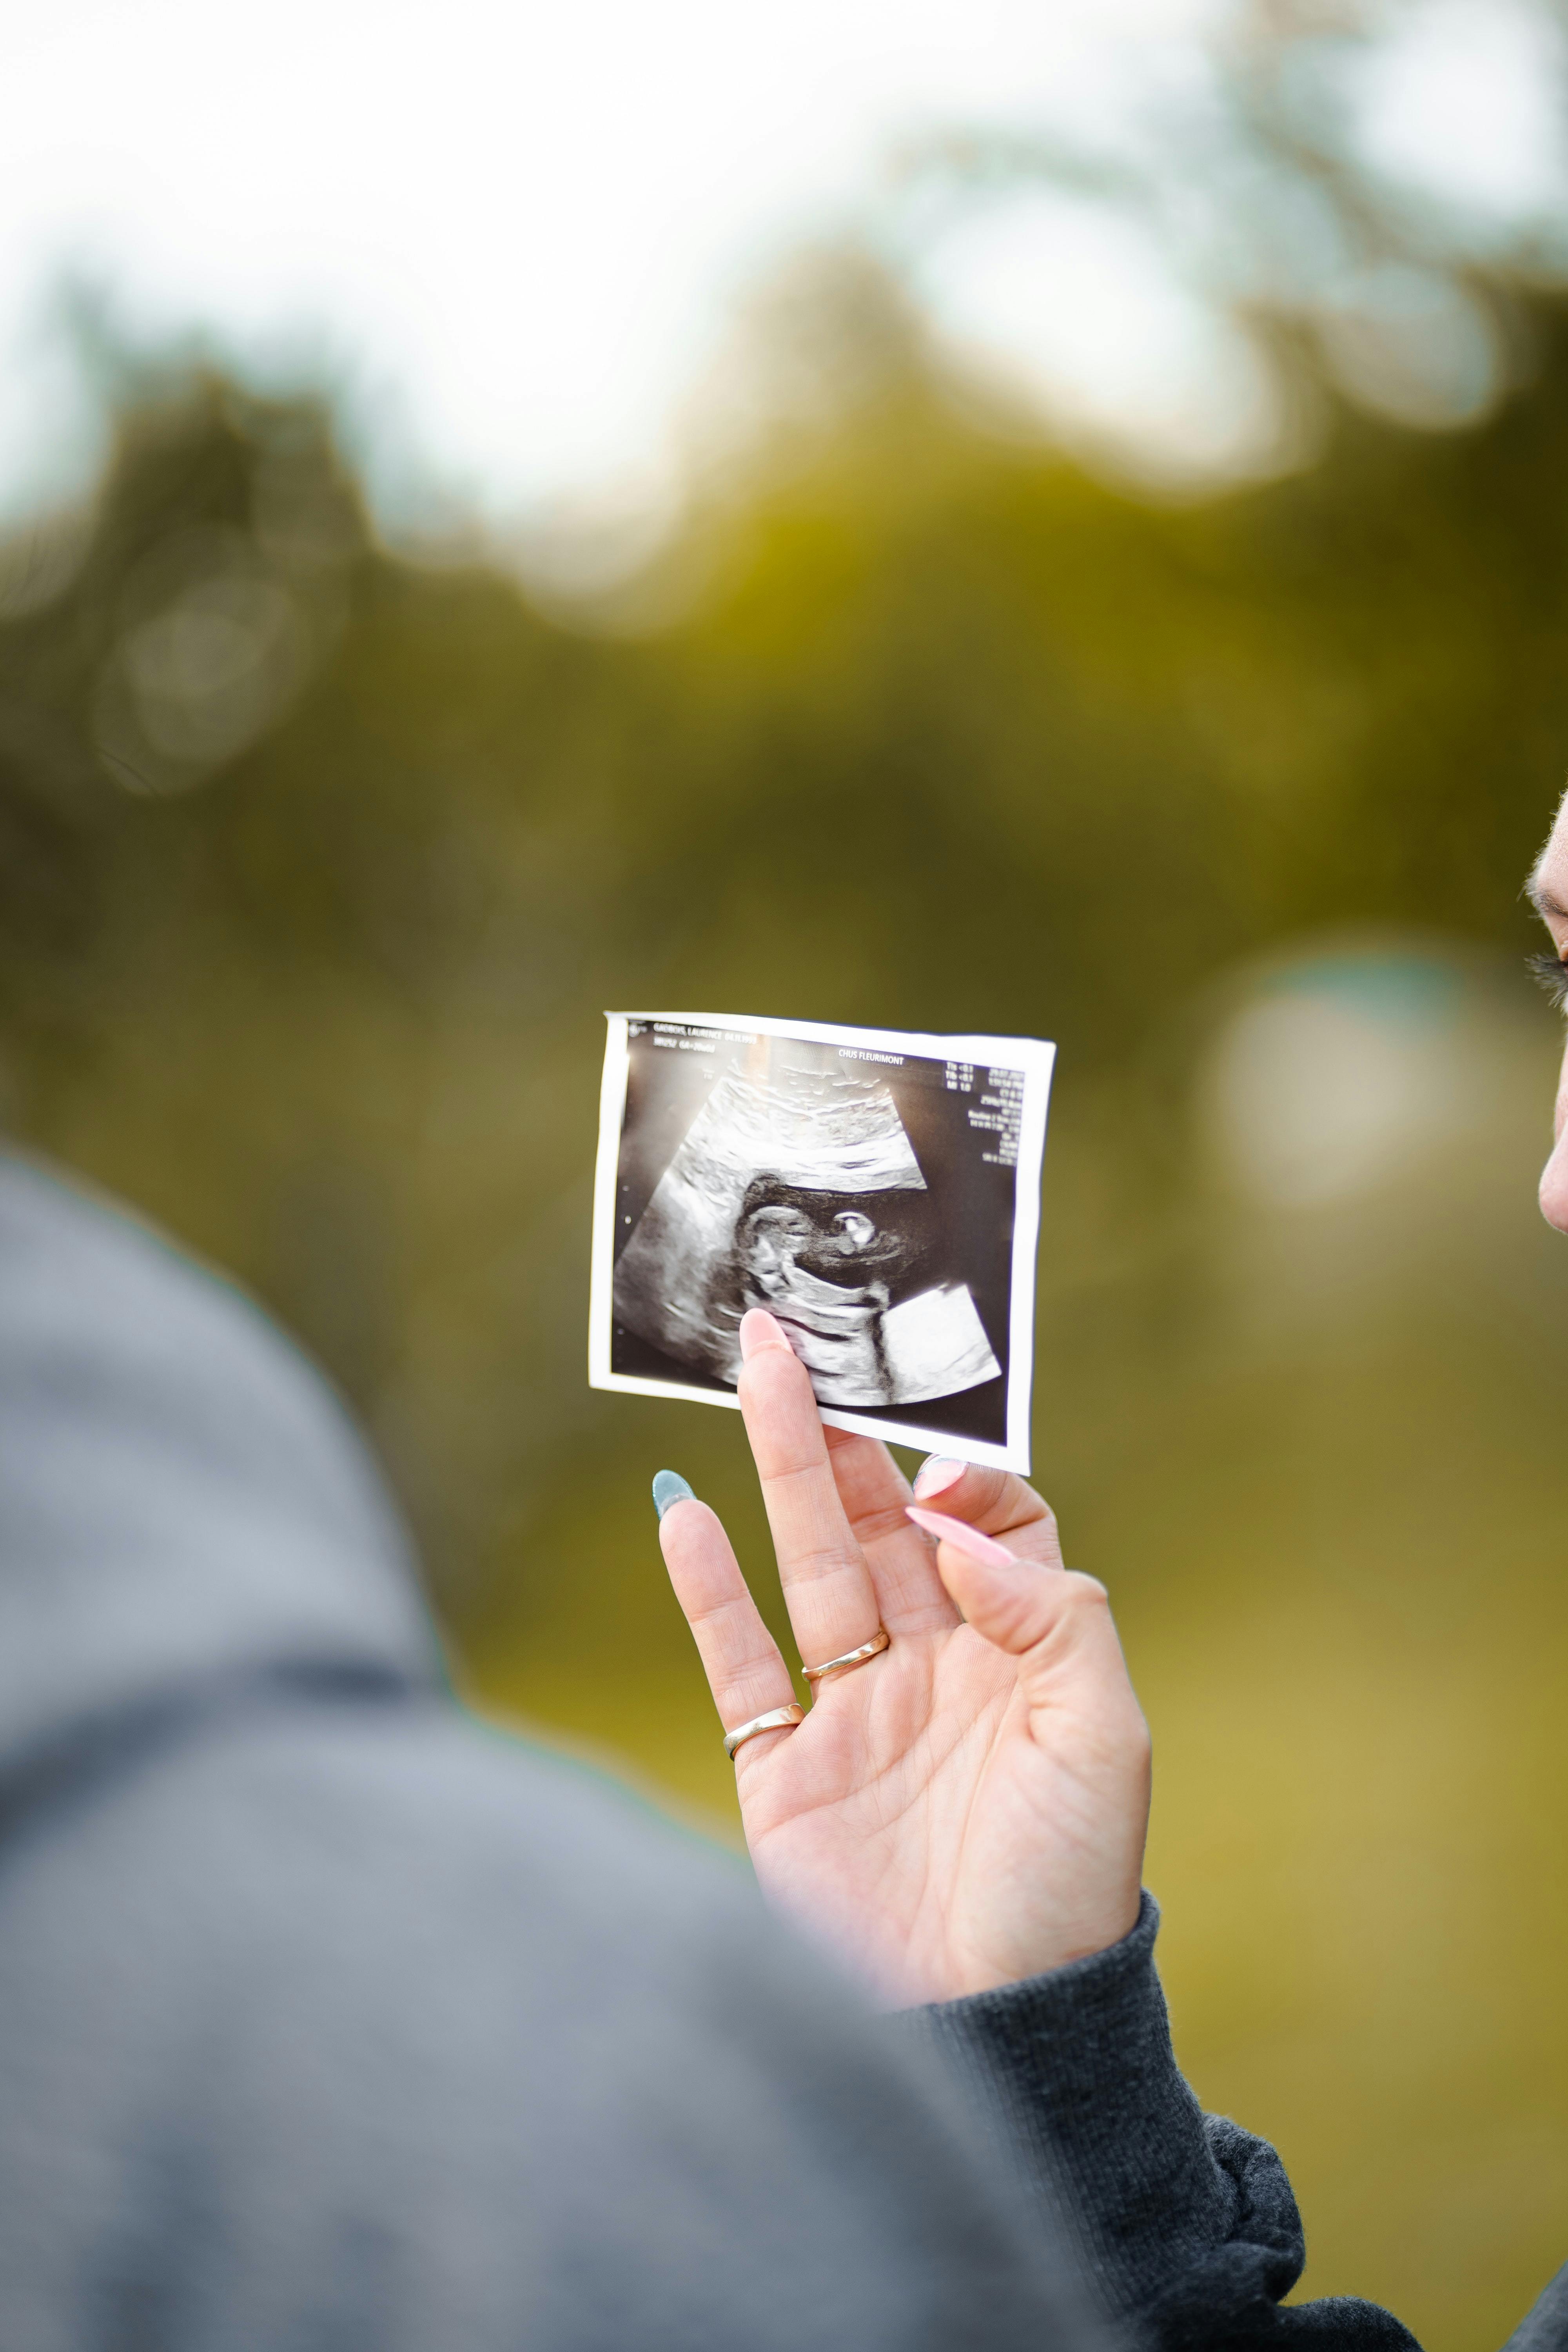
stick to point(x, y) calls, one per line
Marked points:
point(1055, 1624)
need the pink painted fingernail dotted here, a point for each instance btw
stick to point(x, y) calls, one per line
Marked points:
point(963, 1537)
point(937, 1473)
point(759, 1330)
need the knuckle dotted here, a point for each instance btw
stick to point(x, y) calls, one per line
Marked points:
point(775, 1370)
point(1024, 1620)
point(983, 1489)
point(872, 1525)
point(816, 1561)
point(800, 1462)
point(1018, 1510)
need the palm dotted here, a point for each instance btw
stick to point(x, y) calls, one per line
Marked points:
point(908, 1791)
point(961, 1811)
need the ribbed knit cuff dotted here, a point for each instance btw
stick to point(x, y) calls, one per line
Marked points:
point(1075, 2072)
point(1185, 2222)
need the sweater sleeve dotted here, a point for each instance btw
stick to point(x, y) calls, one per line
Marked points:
point(1546, 2328)
point(1186, 2221)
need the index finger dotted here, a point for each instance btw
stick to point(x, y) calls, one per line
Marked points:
point(997, 1502)
point(826, 1584)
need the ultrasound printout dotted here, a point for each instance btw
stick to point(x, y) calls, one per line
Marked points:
point(876, 1191)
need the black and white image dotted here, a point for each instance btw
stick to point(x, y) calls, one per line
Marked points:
point(876, 1191)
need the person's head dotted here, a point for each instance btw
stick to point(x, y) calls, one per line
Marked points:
point(1548, 889)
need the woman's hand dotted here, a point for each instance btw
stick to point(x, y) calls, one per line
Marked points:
point(969, 1807)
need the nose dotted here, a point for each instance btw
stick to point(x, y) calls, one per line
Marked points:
point(1554, 1187)
point(1554, 1175)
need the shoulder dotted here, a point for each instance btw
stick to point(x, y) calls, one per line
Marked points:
point(390, 1966)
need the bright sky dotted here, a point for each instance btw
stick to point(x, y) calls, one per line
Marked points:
point(516, 227)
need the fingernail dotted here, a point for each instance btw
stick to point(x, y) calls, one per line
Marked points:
point(963, 1537)
point(937, 1473)
point(759, 1330)
point(669, 1486)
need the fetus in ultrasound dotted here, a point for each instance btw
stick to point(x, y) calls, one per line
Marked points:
point(797, 1190)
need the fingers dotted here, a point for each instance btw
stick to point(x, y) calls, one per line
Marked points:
point(874, 1492)
point(746, 1673)
point(1058, 1625)
point(996, 1501)
point(827, 1586)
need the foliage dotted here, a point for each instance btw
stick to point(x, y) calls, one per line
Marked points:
point(318, 867)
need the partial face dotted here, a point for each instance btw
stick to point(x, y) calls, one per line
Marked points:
point(771, 1242)
point(1549, 891)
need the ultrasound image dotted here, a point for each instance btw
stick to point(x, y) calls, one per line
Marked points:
point(797, 1188)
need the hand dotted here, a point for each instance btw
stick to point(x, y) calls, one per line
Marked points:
point(970, 1807)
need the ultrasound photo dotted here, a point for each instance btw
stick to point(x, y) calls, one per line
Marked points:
point(876, 1192)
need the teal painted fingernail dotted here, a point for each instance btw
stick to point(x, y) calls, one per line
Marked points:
point(668, 1487)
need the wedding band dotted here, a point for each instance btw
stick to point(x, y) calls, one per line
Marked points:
point(777, 1719)
point(871, 1649)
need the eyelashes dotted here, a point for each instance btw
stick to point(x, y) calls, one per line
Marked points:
point(1551, 973)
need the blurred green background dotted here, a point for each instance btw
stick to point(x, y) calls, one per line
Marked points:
point(319, 864)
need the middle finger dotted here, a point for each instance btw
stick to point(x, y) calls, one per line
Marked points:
point(826, 1584)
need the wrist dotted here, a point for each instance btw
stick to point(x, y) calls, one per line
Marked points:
point(1082, 1933)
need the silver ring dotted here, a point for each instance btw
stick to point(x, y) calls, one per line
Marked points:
point(777, 1719)
point(871, 1649)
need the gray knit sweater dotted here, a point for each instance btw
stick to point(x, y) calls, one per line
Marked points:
point(332, 2022)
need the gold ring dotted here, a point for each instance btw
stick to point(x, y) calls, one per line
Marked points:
point(777, 1719)
point(871, 1649)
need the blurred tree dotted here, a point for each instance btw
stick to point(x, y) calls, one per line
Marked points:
point(1259, 175)
point(320, 863)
